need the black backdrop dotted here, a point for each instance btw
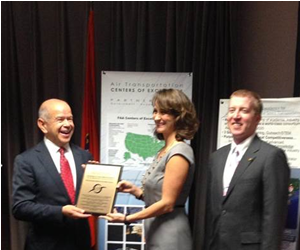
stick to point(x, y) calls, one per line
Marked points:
point(43, 55)
point(297, 71)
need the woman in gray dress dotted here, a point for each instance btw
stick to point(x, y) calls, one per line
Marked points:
point(166, 184)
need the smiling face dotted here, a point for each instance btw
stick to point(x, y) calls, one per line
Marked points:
point(242, 120)
point(56, 121)
point(164, 122)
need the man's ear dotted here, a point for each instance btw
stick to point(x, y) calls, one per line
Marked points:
point(258, 119)
point(42, 125)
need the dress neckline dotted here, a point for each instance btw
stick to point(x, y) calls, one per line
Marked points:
point(158, 158)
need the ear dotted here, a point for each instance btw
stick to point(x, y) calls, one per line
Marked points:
point(258, 118)
point(42, 125)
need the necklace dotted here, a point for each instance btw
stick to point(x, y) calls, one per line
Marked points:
point(163, 152)
point(155, 162)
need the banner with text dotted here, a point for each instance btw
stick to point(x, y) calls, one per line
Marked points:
point(127, 137)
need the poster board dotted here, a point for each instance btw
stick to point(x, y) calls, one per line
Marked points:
point(127, 139)
point(280, 126)
point(291, 231)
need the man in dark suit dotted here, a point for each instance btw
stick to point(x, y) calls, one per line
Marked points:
point(41, 194)
point(247, 185)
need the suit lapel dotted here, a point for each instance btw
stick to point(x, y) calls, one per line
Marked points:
point(221, 167)
point(79, 170)
point(246, 161)
point(47, 162)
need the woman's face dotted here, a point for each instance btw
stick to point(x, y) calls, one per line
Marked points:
point(165, 123)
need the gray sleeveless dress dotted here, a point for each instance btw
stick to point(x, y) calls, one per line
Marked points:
point(169, 231)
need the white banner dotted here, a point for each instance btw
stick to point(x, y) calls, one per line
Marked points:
point(280, 126)
point(127, 139)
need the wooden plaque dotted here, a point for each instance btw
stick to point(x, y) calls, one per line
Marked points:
point(98, 188)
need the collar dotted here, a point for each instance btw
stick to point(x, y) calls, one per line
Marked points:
point(53, 147)
point(242, 147)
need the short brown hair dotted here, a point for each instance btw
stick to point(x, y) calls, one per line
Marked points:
point(175, 102)
point(257, 104)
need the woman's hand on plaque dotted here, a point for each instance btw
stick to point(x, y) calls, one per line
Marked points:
point(125, 187)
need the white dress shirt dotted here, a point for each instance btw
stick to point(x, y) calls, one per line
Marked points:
point(232, 163)
point(55, 155)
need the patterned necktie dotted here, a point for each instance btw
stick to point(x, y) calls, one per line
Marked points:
point(66, 175)
point(234, 162)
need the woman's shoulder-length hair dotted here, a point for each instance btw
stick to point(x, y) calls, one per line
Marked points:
point(176, 103)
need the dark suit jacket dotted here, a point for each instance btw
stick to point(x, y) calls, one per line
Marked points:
point(38, 197)
point(252, 215)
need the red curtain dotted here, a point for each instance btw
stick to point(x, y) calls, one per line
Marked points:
point(89, 129)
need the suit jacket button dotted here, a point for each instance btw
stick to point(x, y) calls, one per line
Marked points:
point(223, 212)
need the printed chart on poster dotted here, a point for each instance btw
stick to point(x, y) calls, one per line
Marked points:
point(126, 120)
point(280, 126)
point(290, 234)
point(127, 139)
